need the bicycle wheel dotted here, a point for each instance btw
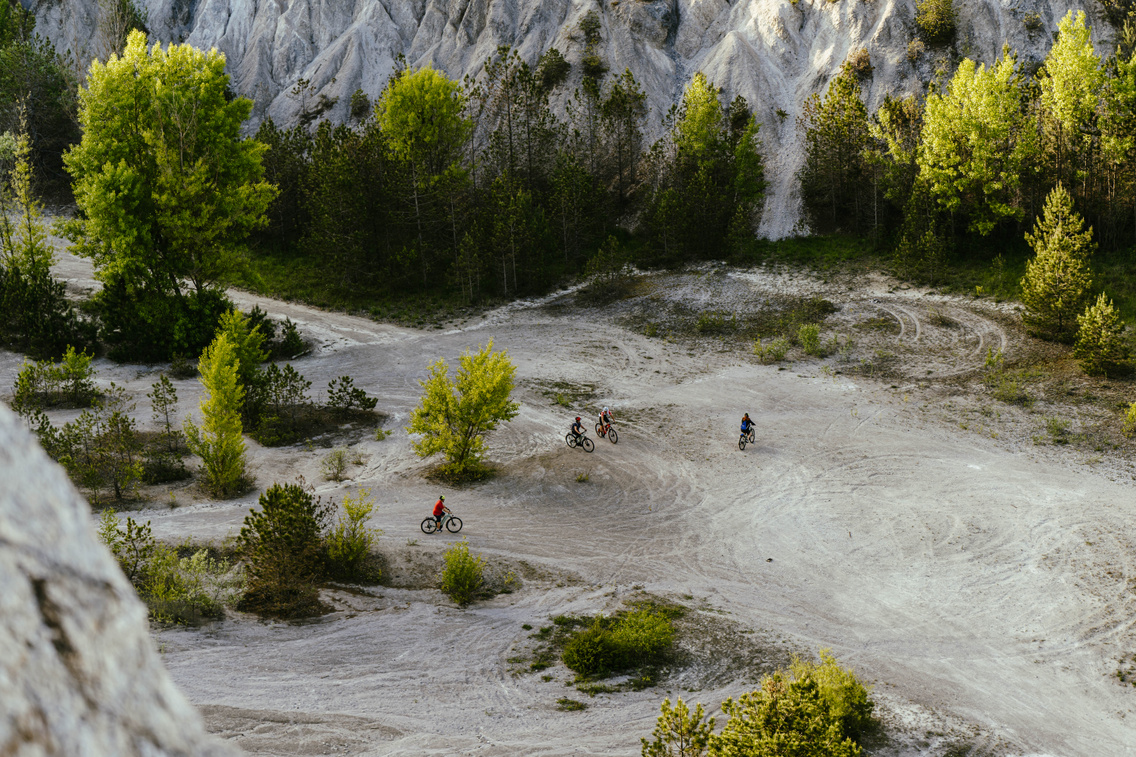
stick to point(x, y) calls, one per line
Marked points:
point(454, 524)
point(612, 436)
point(742, 441)
point(429, 525)
point(587, 444)
point(599, 429)
point(570, 440)
point(752, 437)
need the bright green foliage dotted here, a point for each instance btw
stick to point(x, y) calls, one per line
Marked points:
point(23, 239)
point(1129, 427)
point(167, 189)
point(421, 113)
point(46, 383)
point(283, 548)
point(462, 575)
point(809, 337)
point(699, 129)
point(936, 21)
point(454, 416)
point(832, 177)
point(976, 141)
point(248, 344)
point(218, 441)
point(782, 719)
point(132, 546)
point(1055, 288)
point(613, 644)
point(349, 543)
point(1073, 80)
point(679, 732)
point(1100, 345)
point(847, 698)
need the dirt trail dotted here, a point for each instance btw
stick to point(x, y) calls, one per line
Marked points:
point(984, 590)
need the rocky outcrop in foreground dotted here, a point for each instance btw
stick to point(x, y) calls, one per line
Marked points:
point(773, 52)
point(79, 674)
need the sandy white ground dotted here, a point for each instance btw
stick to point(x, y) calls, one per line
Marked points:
point(983, 586)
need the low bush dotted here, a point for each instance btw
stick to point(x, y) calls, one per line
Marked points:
point(46, 383)
point(462, 575)
point(715, 322)
point(773, 352)
point(1129, 427)
point(809, 337)
point(349, 543)
point(936, 21)
point(628, 640)
point(175, 589)
point(1100, 346)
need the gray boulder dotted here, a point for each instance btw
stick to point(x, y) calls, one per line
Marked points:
point(79, 674)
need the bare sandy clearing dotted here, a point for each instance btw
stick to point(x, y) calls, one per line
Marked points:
point(983, 583)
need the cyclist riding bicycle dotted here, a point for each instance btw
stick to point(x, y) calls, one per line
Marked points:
point(578, 428)
point(439, 508)
point(606, 417)
point(747, 424)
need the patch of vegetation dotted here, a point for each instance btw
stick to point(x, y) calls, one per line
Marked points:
point(184, 585)
point(820, 709)
point(46, 383)
point(936, 21)
point(773, 352)
point(716, 322)
point(570, 705)
point(350, 541)
point(462, 575)
point(633, 639)
point(335, 463)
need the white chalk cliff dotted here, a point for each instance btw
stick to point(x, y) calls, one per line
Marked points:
point(773, 52)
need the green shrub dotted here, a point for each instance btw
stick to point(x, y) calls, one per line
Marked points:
point(282, 545)
point(1100, 346)
point(283, 404)
point(847, 698)
point(783, 717)
point(218, 441)
point(626, 641)
point(349, 543)
point(715, 322)
point(46, 383)
point(291, 344)
point(1009, 388)
point(1129, 427)
point(335, 463)
point(462, 574)
point(344, 399)
point(936, 21)
point(809, 337)
point(774, 352)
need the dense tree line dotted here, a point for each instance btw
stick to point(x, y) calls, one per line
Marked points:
point(481, 188)
point(974, 160)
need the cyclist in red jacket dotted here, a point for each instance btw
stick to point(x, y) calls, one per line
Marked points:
point(439, 508)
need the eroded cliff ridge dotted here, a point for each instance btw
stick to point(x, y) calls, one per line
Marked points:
point(775, 53)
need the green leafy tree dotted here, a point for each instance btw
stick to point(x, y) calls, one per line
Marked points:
point(784, 718)
point(247, 342)
point(454, 415)
point(283, 548)
point(167, 189)
point(1073, 85)
point(848, 699)
point(1100, 345)
point(976, 140)
point(1055, 288)
point(836, 134)
point(679, 732)
point(218, 440)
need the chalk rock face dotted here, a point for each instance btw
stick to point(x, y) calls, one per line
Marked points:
point(772, 52)
point(78, 672)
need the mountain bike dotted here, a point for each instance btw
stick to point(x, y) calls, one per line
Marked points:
point(608, 431)
point(451, 523)
point(746, 436)
point(579, 441)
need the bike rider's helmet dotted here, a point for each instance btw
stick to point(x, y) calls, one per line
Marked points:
point(577, 419)
point(605, 408)
point(442, 498)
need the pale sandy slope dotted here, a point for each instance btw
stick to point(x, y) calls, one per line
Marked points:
point(973, 584)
